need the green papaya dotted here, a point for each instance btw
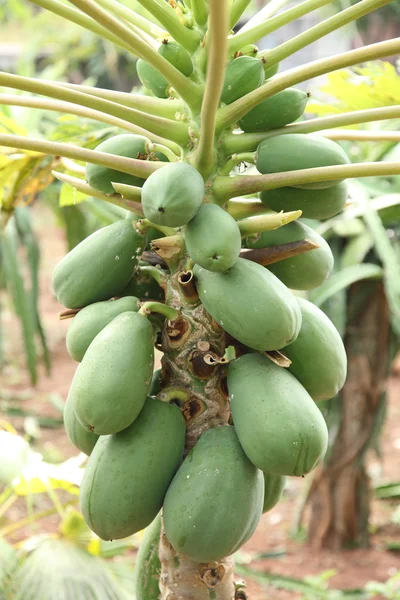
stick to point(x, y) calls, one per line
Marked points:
point(100, 267)
point(155, 386)
point(215, 500)
point(151, 79)
point(304, 271)
point(273, 489)
point(144, 287)
point(318, 355)
point(297, 151)
point(81, 438)
point(314, 204)
point(128, 473)
point(270, 71)
point(279, 426)
point(172, 195)
point(243, 75)
point(248, 50)
point(148, 565)
point(112, 381)
point(128, 145)
point(278, 110)
point(177, 56)
point(251, 304)
point(213, 238)
point(91, 320)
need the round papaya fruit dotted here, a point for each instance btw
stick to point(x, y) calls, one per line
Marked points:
point(318, 356)
point(314, 204)
point(273, 486)
point(177, 56)
point(251, 304)
point(304, 271)
point(213, 238)
point(128, 145)
point(144, 287)
point(81, 438)
point(297, 151)
point(151, 79)
point(243, 75)
point(91, 320)
point(279, 426)
point(148, 565)
point(128, 473)
point(172, 195)
point(112, 381)
point(100, 267)
point(279, 110)
point(215, 500)
point(248, 50)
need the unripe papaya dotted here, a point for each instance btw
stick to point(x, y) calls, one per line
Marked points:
point(144, 287)
point(304, 271)
point(279, 110)
point(248, 50)
point(273, 489)
point(128, 473)
point(99, 267)
point(213, 238)
point(251, 304)
point(278, 424)
point(270, 71)
point(155, 386)
point(128, 145)
point(81, 438)
point(297, 151)
point(177, 56)
point(318, 356)
point(91, 320)
point(215, 500)
point(148, 565)
point(151, 79)
point(112, 381)
point(243, 75)
point(172, 195)
point(314, 204)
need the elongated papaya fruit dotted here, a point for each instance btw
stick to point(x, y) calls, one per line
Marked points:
point(99, 267)
point(155, 386)
point(314, 204)
point(129, 145)
point(144, 287)
point(91, 320)
point(172, 195)
point(273, 489)
point(112, 381)
point(151, 79)
point(278, 424)
point(148, 565)
point(304, 271)
point(251, 304)
point(243, 75)
point(177, 56)
point(293, 152)
point(279, 110)
point(215, 500)
point(318, 356)
point(213, 238)
point(128, 473)
point(81, 438)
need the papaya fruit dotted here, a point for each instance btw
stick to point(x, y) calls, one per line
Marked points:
point(248, 50)
point(144, 287)
point(314, 204)
point(81, 438)
point(128, 473)
point(304, 271)
point(172, 195)
point(270, 71)
point(251, 304)
point(112, 381)
point(213, 238)
point(155, 386)
point(278, 424)
point(279, 110)
point(177, 56)
point(128, 145)
point(148, 565)
point(297, 151)
point(243, 75)
point(318, 356)
point(215, 500)
point(100, 267)
point(91, 320)
point(151, 79)
point(273, 489)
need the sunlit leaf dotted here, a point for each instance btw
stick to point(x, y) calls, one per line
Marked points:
point(69, 196)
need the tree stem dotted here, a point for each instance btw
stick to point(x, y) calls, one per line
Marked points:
point(155, 273)
point(267, 222)
point(237, 10)
point(361, 136)
point(273, 254)
point(133, 17)
point(168, 312)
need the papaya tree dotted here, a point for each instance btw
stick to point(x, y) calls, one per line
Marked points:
point(196, 452)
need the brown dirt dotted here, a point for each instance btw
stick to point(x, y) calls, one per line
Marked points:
point(281, 553)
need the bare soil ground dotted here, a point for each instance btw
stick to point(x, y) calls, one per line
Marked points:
point(281, 553)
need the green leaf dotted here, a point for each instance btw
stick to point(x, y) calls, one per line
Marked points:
point(69, 196)
point(343, 279)
point(388, 490)
point(356, 249)
point(8, 564)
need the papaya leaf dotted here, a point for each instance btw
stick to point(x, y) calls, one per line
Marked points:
point(343, 279)
point(356, 249)
point(8, 564)
point(69, 196)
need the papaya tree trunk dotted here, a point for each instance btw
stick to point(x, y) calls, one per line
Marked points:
point(340, 493)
